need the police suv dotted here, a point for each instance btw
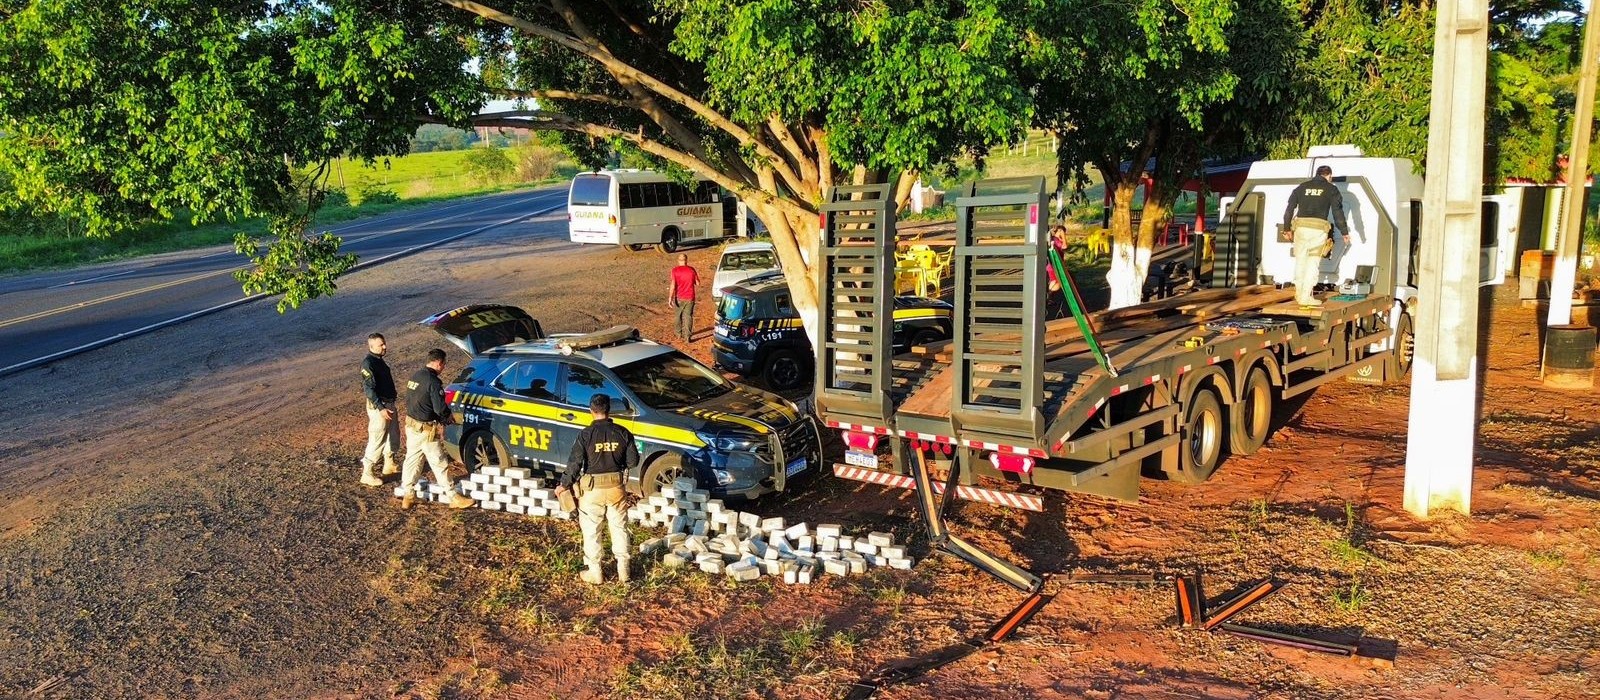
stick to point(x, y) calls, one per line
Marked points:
point(524, 397)
point(758, 331)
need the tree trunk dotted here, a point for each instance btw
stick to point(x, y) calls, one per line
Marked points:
point(790, 236)
point(1126, 276)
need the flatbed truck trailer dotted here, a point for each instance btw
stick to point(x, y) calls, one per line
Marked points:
point(1015, 403)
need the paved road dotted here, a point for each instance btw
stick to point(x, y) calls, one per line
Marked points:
point(52, 315)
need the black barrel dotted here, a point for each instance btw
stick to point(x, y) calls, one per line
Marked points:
point(1569, 357)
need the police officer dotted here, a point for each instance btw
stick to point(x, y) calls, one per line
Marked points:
point(1311, 205)
point(426, 416)
point(601, 458)
point(383, 431)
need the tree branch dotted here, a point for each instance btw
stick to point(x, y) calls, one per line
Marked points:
point(564, 95)
point(624, 73)
point(561, 122)
point(797, 153)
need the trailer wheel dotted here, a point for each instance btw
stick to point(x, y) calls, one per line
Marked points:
point(1201, 449)
point(660, 474)
point(1250, 420)
point(669, 240)
point(1405, 349)
point(482, 449)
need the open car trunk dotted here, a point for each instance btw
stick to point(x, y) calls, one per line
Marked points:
point(479, 328)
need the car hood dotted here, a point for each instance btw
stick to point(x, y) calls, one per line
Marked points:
point(744, 410)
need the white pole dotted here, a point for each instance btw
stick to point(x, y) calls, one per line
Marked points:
point(1570, 239)
point(1444, 391)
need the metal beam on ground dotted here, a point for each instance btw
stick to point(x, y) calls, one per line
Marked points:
point(1444, 392)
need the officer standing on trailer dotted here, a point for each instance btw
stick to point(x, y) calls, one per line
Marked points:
point(383, 431)
point(1311, 205)
point(600, 460)
point(426, 416)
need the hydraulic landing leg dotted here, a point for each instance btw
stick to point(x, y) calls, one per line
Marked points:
point(933, 504)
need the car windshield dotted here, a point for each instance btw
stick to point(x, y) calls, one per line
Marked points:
point(732, 307)
point(671, 380)
point(747, 261)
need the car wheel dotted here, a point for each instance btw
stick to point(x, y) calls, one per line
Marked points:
point(483, 449)
point(1250, 419)
point(1201, 449)
point(784, 370)
point(669, 241)
point(660, 474)
point(927, 336)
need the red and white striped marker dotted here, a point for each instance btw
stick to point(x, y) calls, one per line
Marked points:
point(999, 498)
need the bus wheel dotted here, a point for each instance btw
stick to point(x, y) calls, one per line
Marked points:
point(1202, 431)
point(669, 241)
point(632, 247)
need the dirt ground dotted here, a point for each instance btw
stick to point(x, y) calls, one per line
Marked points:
point(182, 519)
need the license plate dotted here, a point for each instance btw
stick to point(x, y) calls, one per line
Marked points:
point(720, 331)
point(861, 459)
point(795, 467)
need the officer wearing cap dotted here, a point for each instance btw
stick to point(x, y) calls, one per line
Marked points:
point(600, 460)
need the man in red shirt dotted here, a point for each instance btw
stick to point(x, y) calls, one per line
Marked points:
point(684, 281)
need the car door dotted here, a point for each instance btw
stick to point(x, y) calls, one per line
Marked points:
point(580, 384)
point(526, 399)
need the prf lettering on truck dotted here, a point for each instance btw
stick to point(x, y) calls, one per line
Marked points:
point(530, 437)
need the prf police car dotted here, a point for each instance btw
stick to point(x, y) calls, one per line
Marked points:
point(758, 331)
point(524, 397)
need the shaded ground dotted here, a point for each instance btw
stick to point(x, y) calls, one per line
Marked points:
point(183, 520)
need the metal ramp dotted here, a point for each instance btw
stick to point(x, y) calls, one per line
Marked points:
point(999, 339)
point(855, 302)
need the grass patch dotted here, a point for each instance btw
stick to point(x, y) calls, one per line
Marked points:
point(1548, 558)
point(776, 663)
point(1348, 547)
point(405, 182)
point(1350, 599)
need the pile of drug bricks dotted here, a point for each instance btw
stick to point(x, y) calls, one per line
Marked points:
point(703, 533)
point(512, 490)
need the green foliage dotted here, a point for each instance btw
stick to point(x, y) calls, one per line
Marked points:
point(438, 137)
point(118, 114)
point(488, 165)
point(297, 265)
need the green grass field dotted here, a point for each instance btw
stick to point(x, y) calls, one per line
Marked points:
point(417, 180)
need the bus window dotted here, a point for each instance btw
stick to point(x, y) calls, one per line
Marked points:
point(591, 191)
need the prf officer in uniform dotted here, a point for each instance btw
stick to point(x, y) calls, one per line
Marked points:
point(1311, 205)
point(383, 432)
point(426, 416)
point(601, 458)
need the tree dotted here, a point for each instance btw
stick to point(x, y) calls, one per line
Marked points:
point(775, 100)
point(112, 114)
point(1167, 86)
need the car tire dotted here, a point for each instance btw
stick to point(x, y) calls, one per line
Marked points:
point(660, 474)
point(1250, 419)
point(669, 240)
point(928, 336)
point(1200, 450)
point(784, 370)
point(482, 449)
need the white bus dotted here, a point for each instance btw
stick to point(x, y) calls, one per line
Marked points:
point(640, 208)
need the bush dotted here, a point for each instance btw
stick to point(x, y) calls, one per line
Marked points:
point(488, 165)
point(366, 191)
point(335, 198)
point(536, 162)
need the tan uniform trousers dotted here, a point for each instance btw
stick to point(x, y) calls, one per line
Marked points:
point(1310, 243)
point(602, 504)
point(383, 439)
point(423, 441)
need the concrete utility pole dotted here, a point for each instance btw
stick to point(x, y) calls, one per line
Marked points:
point(1570, 239)
point(1444, 390)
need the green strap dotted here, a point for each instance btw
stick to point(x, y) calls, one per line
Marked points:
point(1069, 289)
